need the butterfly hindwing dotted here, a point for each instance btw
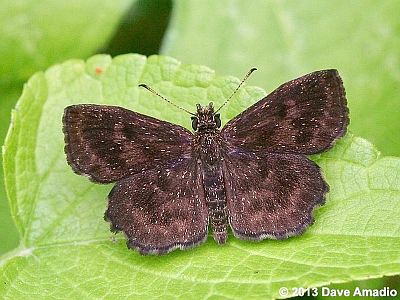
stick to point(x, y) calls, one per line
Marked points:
point(305, 115)
point(108, 143)
point(160, 209)
point(271, 195)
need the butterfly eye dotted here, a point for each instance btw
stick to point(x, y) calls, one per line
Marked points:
point(217, 119)
point(194, 123)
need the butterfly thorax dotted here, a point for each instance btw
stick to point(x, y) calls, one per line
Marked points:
point(209, 153)
point(208, 140)
point(208, 147)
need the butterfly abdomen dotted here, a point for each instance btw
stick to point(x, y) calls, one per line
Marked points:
point(213, 183)
point(216, 200)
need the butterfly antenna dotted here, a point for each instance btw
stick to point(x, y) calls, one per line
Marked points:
point(238, 87)
point(165, 99)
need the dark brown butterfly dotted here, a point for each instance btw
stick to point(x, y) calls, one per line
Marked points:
point(253, 174)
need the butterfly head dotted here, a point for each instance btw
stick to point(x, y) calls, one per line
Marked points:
point(206, 118)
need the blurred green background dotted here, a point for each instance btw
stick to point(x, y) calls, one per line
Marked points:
point(283, 39)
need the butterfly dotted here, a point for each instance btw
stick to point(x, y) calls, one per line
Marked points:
point(253, 175)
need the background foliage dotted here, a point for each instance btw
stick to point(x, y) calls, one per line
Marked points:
point(283, 39)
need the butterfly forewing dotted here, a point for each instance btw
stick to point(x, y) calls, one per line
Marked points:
point(305, 115)
point(108, 143)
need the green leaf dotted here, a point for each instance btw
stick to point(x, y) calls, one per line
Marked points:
point(286, 39)
point(67, 250)
point(36, 34)
point(9, 237)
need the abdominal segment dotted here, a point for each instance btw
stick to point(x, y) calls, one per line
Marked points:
point(213, 182)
